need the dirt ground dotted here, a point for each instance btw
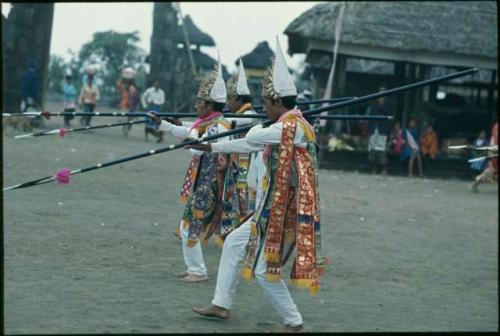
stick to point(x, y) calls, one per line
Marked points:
point(98, 255)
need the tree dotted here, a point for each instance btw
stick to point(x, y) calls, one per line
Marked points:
point(56, 73)
point(26, 35)
point(113, 50)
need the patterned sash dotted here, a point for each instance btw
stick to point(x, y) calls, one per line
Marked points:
point(289, 214)
point(202, 189)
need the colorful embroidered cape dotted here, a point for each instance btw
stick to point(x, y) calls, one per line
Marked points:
point(289, 214)
point(202, 188)
point(238, 199)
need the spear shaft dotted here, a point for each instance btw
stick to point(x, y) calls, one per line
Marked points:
point(86, 128)
point(246, 128)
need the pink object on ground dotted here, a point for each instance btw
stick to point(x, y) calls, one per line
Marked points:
point(62, 132)
point(46, 114)
point(62, 176)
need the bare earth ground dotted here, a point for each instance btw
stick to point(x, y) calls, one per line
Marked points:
point(98, 255)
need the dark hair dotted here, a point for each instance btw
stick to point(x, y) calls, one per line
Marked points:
point(216, 106)
point(244, 98)
point(289, 102)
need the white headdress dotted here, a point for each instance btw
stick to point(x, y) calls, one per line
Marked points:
point(213, 88)
point(238, 86)
point(278, 82)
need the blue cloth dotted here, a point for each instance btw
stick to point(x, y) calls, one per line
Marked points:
point(29, 84)
point(150, 123)
point(69, 92)
point(407, 151)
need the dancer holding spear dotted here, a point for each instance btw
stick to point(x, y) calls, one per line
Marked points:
point(203, 184)
point(243, 169)
point(286, 216)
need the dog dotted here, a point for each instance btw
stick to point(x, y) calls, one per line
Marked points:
point(17, 122)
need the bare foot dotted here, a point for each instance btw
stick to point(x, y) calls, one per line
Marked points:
point(213, 311)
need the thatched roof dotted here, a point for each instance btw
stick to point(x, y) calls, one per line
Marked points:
point(195, 35)
point(464, 28)
point(259, 58)
point(207, 63)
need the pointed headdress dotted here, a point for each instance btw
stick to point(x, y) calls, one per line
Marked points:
point(278, 82)
point(237, 85)
point(213, 88)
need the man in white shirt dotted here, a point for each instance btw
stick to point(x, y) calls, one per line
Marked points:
point(152, 100)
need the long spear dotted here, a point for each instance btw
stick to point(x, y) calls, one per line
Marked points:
point(63, 131)
point(63, 175)
point(47, 115)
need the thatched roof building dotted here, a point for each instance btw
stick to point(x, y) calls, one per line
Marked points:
point(392, 43)
point(195, 35)
point(258, 58)
point(459, 33)
point(256, 63)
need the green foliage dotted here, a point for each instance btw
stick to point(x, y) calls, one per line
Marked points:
point(113, 49)
point(56, 72)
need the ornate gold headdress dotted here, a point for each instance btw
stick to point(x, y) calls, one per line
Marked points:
point(267, 83)
point(232, 86)
point(207, 85)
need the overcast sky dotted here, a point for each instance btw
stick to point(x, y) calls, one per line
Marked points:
point(236, 27)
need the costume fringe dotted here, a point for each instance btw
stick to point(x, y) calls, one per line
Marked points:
point(272, 257)
point(247, 273)
point(183, 199)
point(272, 277)
point(313, 285)
point(254, 229)
point(198, 214)
point(289, 237)
point(219, 241)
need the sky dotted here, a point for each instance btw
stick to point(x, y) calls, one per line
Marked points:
point(236, 27)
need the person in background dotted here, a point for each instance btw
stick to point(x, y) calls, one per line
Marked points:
point(152, 100)
point(129, 95)
point(69, 97)
point(481, 141)
point(379, 133)
point(428, 145)
point(29, 88)
point(411, 149)
point(89, 95)
point(396, 140)
point(491, 171)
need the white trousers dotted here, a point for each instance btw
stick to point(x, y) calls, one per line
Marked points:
point(228, 277)
point(193, 256)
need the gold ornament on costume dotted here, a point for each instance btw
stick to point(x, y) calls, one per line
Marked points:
point(206, 85)
point(232, 85)
point(267, 85)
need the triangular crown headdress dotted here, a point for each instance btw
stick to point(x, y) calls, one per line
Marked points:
point(277, 82)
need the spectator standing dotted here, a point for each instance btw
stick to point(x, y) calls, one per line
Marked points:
point(396, 139)
point(152, 100)
point(428, 145)
point(481, 141)
point(379, 134)
point(411, 149)
point(89, 95)
point(491, 171)
point(69, 97)
point(29, 89)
